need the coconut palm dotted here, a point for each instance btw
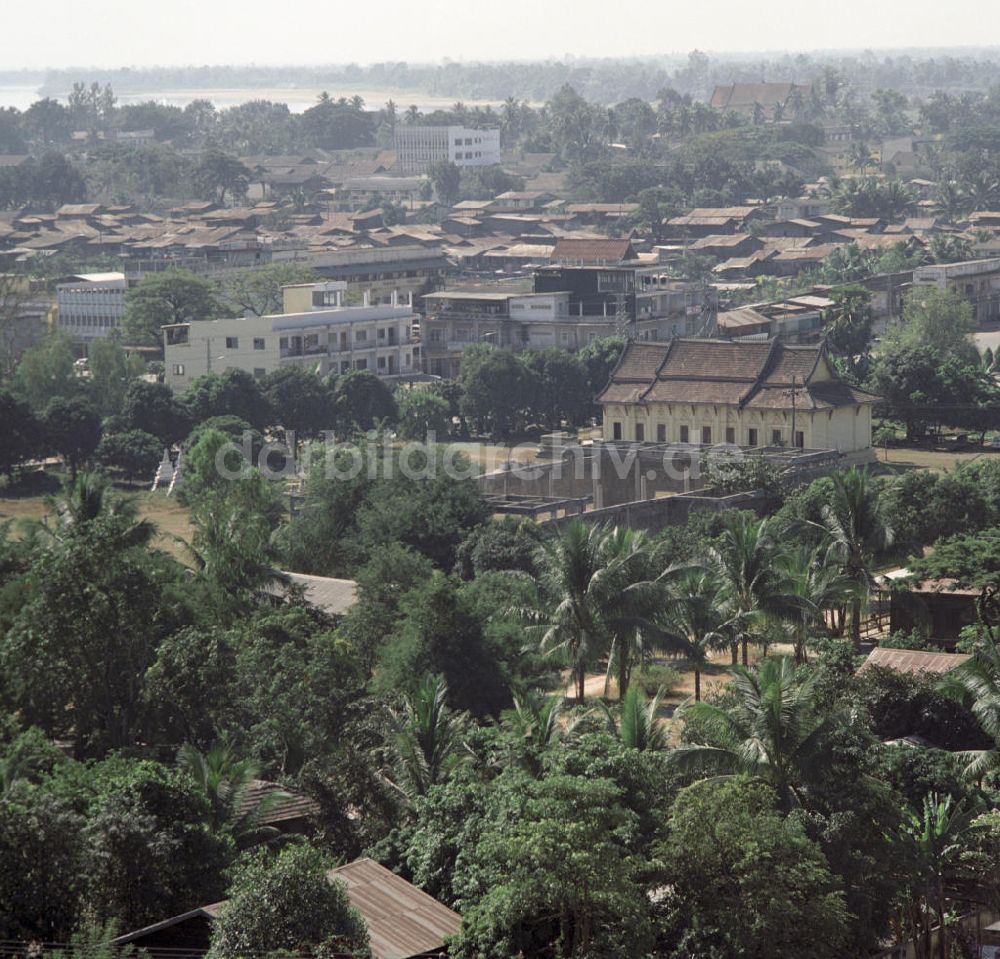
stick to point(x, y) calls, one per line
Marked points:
point(637, 723)
point(90, 497)
point(856, 519)
point(226, 781)
point(773, 731)
point(743, 559)
point(535, 717)
point(595, 600)
point(976, 685)
point(638, 599)
point(818, 586)
point(427, 738)
point(698, 610)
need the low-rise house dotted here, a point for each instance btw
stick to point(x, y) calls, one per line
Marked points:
point(403, 921)
point(768, 101)
point(912, 661)
point(753, 394)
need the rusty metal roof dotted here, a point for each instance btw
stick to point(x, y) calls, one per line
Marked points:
point(913, 660)
point(403, 921)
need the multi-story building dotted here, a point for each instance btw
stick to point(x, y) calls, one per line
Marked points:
point(91, 305)
point(977, 281)
point(644, 303)
point(569, 308)
point(456, 319)
point(401, 273)
point(326, 337)
point(418, 147)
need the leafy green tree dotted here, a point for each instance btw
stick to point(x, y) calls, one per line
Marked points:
point(447, 179)
point(211, 464)
point(288, 904)
point(111, 370)
point(150, 850)
point(153, 408)
point(230, 393)
point(561, 389)
point(362, 401)
point(91, 617)
point(173, 296)
point(257, 292)
point(420, 413)
point(772, 731)
point(71, 427)
point(936, 319)
point(440, 634)
point(746, 880)
point(506, 543)
point(299, 402)
point(41, 866)
point(551, 873)
point(45, 372)
point(217, 174)
point(20, 433)
point(133, 453)
point(495, 390)
point(600, 357)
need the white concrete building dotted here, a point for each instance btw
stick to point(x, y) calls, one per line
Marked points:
point(417, 147)
point(327, 338)
point(91, 305)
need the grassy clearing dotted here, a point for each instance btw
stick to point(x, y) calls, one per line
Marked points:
point(170, 518)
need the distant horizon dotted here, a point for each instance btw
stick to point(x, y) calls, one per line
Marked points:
point(314, 33)
point(746, 54)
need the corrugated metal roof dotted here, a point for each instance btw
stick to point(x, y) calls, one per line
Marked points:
point(403, 921)
point(913, 660)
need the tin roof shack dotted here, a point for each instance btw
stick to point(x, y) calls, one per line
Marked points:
point(403, 921)
point(938, 608)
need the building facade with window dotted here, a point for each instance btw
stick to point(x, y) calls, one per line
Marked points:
point(329, 337)
point(748, 394)
point(91, 305)
point(419, 147)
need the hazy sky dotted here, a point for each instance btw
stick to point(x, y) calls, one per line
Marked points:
point(64, 33)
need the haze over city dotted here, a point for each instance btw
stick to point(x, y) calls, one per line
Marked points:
point(126, 33)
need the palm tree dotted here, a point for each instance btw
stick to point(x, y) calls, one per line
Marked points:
point(976, 685)
point(772, 732)
point(427, 737)
point(637, 600)
point(412, 114)
point(856, 519)
point(535, 717)
point(90, 498)
point(743, 559)
point(817, 584)
point(226, 781)
point(596, 599)
point(573, 577)
point(698, 610)
point(638, 725)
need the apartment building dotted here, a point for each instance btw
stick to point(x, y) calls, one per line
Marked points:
point(327, 337)
point(91, 305)
point(977, 281)
point(398, 273)
point(419, 147)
